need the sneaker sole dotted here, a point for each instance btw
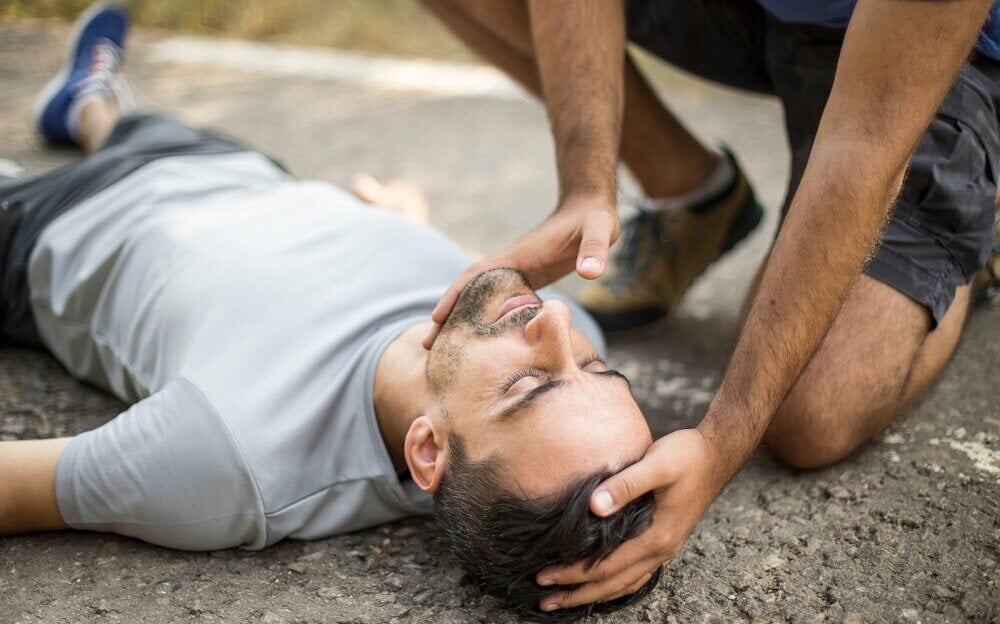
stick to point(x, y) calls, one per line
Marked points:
point(745, 223)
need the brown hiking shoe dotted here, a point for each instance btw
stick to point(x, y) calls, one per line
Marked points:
point(662, 253)
point(986, 283)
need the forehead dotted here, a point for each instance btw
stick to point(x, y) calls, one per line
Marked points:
point(571, 432)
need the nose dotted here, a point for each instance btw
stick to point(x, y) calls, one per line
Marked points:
point(550, 333)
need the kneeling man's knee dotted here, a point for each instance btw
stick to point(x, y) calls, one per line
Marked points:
point(808, 436)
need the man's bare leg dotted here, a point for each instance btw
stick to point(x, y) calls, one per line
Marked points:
point(663, 155)
point(28, 486)
point(877, 360)
point(97, 118)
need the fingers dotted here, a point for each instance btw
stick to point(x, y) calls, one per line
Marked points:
point(643, 549)
point(596, 236)
point(443, 308)
point(447, 302)
point(629, 484)
point(431, 336)
point(627, 582)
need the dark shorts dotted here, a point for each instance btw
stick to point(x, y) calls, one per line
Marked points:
point(28, 205)
point(941, 228)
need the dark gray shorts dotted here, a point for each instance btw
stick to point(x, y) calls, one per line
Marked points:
point(941, 229)
point(28, 205)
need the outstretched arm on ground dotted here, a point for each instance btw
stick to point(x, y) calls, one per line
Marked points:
point(898, 61)
point(28, 486)
point(580, 49)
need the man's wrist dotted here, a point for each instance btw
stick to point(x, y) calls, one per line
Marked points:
point(589, 198)
point(729, 437)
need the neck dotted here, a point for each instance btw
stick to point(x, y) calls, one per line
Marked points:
point(401, 393)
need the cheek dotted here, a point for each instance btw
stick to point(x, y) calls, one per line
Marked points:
point(444, 364)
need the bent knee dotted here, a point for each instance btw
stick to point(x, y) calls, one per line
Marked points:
point(810, 437)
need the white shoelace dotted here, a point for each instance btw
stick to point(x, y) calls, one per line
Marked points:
point(105, 60)
point(102, 80)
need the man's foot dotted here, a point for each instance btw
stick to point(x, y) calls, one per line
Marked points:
point(662, 253)
point(96, 53)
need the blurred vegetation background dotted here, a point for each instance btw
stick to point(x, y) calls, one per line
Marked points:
point(400, 27)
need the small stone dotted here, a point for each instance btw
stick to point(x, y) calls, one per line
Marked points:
point(102, 607)
point(908, 615)
point(773, 561)
point(852, 618)
point(316, 556)
point(453, 617)
point(944, 593)
point(166, 587)
point(385, 597)
point(838, 492)
point(15, 429)
point(271, 618)
point(298, 567)
point(397, 611)
point(423, 596)
point(329, 592)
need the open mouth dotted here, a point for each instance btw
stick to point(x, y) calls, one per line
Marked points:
point(515, 303)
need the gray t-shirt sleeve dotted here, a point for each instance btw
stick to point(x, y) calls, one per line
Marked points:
point(167, 471)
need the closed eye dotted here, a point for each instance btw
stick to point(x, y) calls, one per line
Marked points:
point(598, 363)
point(540, 379)
point(511, 381)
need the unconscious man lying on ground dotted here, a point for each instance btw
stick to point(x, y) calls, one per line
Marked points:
point(266, 332)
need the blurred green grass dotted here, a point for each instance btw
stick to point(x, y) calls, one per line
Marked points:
point(400, 27)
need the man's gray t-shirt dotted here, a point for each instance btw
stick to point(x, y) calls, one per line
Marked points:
point(243, 313)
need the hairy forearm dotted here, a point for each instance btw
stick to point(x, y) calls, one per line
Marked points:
point(27, 488)
point(898, 61)
point(580, 48)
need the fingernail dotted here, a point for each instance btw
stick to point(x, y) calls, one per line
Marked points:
point(545, 581)
point(590, 264)
point(550, 606)
point(603, 501)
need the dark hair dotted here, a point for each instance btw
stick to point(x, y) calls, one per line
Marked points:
point(503, 540)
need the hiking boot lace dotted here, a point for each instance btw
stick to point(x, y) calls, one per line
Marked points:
point(643, 236)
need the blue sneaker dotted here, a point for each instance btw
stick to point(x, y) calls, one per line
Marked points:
point(96, 54)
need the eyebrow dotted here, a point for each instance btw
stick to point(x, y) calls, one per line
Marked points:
point(530, 397)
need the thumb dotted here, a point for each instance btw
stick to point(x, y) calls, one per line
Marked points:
point(598, 230)
point(626, 486)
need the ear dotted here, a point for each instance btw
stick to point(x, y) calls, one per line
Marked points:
point(425, 454)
